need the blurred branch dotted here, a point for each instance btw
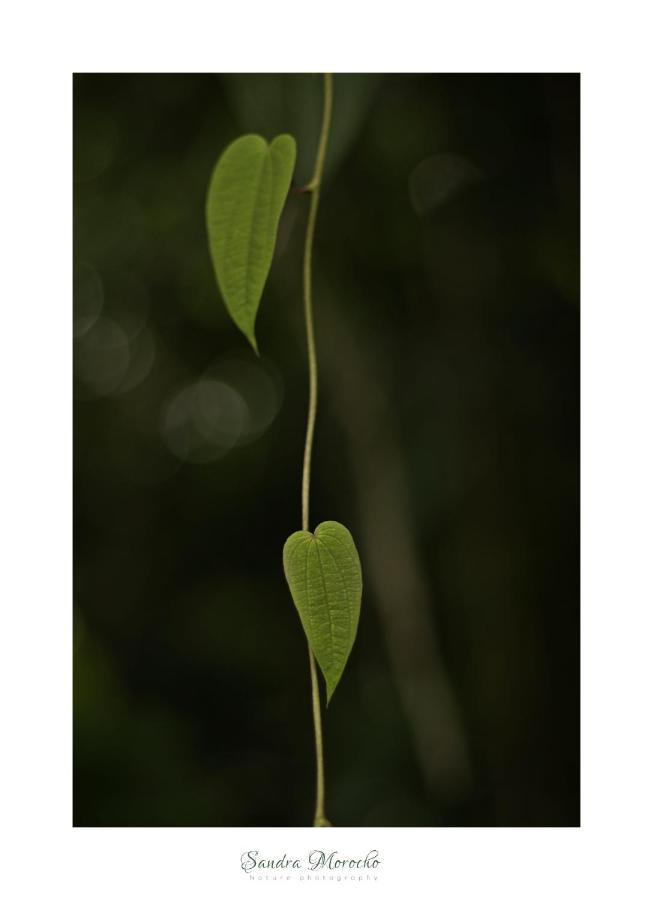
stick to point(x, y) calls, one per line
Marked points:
point(392, 563)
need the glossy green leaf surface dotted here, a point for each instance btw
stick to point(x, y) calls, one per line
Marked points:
point(324, 575)
point(247, 192)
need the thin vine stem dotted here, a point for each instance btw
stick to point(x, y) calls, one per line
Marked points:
point(314, 188)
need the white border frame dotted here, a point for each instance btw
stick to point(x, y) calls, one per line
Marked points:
point(45, 857)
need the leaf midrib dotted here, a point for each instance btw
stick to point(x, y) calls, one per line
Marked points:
point(344, 587)
point(326, 594)
point(248, 253)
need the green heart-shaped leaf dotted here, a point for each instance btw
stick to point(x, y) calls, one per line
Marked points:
point(324, 575)
point(246, 195)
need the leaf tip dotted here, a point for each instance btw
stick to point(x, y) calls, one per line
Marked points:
point(330, 690)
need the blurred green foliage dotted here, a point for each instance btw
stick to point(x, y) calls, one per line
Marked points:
point(447, 256)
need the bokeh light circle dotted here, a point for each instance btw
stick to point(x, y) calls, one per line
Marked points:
point(203, 420)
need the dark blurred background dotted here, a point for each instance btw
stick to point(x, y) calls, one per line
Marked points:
point(447, 315)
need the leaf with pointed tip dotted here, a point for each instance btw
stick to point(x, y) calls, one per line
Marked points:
point(247, 191)
point(324, 575)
